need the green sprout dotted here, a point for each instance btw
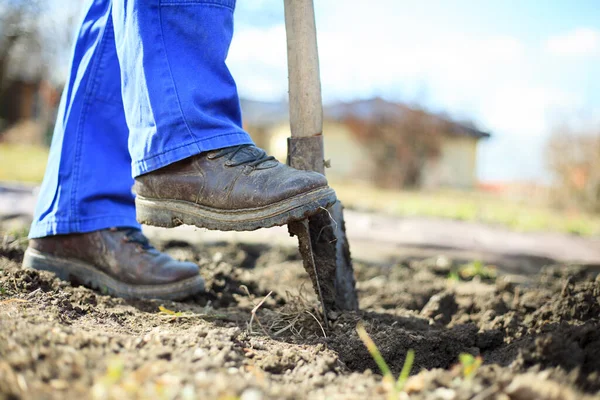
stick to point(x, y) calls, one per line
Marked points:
point(405, 372)
point(165, 310)
point(453, 276)
point(477, 268)
point(469, 364)
point(19, 233)
point(114, 370)
point(388, 378)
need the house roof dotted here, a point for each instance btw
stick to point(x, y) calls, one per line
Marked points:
point(366, 109)
point(260, 113)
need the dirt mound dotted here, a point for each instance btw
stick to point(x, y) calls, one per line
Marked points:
point(539, 338)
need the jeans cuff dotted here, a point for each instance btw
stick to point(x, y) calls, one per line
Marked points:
point(54, 226)
point(223, 3)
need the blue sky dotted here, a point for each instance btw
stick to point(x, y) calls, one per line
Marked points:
point(517, 68)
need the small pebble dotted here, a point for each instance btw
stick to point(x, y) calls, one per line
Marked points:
point(59, 384)
point(198, 354)
point(251, 394)
point(444, 394)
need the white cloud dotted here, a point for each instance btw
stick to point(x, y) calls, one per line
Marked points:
point(481, 78)
point(525, 110)
point(581, 41)
point(520, 117)
point(258, 61)
point(362, 63)
point(354, 64)
point(495, 79)
point(266, 45)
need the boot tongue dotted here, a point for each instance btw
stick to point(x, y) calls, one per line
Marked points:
point(248, 154)
point(136, 236)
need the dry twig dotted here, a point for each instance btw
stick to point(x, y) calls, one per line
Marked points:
point(254, 316)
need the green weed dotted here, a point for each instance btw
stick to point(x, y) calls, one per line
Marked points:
point(469, 364)
point(114, 371)
point(477, 268)
point(454, 276)
point(16, 237)
point(397, 386)
point(165, 310)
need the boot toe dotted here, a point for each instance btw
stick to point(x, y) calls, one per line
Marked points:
point(305, 181)
point(181, 270)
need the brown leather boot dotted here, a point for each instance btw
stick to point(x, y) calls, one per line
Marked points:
point(236, 188)
point(120, 262)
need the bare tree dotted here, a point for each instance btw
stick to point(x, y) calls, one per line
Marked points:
point(18, 23)
point(573, 157)
point(402, 143)
point(35, 39)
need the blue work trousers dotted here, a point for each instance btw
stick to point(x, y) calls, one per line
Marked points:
point(148, 86)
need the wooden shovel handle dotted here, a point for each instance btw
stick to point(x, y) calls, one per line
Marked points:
point(306, 109)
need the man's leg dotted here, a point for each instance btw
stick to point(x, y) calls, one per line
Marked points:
point(88, 184)
point(180, 99)
point(192, 160)
point(84, 227)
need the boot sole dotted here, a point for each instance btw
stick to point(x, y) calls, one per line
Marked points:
point(88, 275)
point(172, 213)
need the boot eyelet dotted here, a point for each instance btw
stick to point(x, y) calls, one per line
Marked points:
point(228, 163)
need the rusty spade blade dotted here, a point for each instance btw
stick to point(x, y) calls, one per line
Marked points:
point(326, 258)
point(302, 230)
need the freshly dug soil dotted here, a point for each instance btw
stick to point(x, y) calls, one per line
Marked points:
point(538, 337)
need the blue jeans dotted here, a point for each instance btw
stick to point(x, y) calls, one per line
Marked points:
point(148, 86)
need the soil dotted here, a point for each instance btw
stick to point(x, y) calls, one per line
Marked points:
point(539, 337)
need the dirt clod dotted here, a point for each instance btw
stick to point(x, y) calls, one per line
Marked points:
point(440, 307)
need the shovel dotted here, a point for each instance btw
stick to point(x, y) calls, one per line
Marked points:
point(322, 237)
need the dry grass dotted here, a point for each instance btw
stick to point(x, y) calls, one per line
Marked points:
point(22, 163)
point(299, 317)
point(527, 216)
point(295, 316)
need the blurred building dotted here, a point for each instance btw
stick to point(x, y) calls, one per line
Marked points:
point(381, 142)
point(28, 100)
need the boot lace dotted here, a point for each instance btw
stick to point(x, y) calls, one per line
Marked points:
point(136, 236)
point(245, 154)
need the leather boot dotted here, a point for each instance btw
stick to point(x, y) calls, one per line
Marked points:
point(236, 188)
point(120, 262)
